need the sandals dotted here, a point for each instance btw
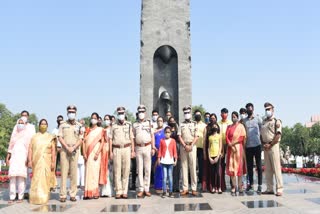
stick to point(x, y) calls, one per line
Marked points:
point(279, 194)
point(20, 201)
point(63, 200)
point(73, 199)
point(10, 201)
point(233, 192)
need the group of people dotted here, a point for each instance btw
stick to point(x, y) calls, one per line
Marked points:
point(99, 157)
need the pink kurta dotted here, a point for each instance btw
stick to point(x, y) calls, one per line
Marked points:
point(18, 147)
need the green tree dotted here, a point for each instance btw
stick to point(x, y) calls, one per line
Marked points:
point(7, 122)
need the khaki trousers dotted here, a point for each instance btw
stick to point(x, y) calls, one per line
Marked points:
point(273, 167)
point(121, 166)
point(68, 163)
point(189, 160)
point(143, 159)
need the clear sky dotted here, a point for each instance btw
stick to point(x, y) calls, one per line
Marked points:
point(55, 53)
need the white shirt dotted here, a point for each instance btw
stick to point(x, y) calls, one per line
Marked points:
point(55, 132)
point(167, 159)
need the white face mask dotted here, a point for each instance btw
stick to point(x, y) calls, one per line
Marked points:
point(154, 118)
point(71, 116)
point(243, 116)
point(187, 116)
point(94, 121)
point(20, 126)
point(141, 116)
point(24, 119)
point(269, 113)
point(121, 117)
point(107, 122)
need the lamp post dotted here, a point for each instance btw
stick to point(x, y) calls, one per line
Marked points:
point(303, 152)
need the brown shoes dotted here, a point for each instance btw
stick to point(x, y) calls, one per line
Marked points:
point(140, 194)
point(194, 193)
point(147, 194)
point(184, 192)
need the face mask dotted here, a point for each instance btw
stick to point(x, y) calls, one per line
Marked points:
point(94, 121)
point(106, 123)
point(121, 117)
point(72, 116)
point(141, 116)
point(154, 118)
point(20, 127)
point(172, 124)
point(224, 116)
point(235, 120)
point(268, 114)
point(212, 121)
point(187, 116)
point(249, 112)
point(197, 117)
point(24, 119)
point(243, 116)
point(43, 128)
point(214, 129)
point(207, 120)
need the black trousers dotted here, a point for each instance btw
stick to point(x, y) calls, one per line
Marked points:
point(254, 152)
point(216, 177)
point(200, 163)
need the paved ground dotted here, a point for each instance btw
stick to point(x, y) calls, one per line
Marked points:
point(302, 195)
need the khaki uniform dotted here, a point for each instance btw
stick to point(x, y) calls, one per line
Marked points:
point(121, 136)
point(269, 130)
point(143, 134)
point(71, 134)
point(188, 131)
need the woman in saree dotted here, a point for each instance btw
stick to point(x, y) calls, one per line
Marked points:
point(17, 160)
point(158, 174)
point(41, 158)
point(93, 144)
point(235, 137)
point(105, 179)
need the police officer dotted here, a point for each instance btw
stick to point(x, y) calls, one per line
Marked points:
point(188, 137)
point(70, 137)
point(270, 135)
point(145, 148)
point(121, 140)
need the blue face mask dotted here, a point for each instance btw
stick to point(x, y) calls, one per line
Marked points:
point(206, 120)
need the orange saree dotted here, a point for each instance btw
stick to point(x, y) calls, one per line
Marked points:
point(235, 159)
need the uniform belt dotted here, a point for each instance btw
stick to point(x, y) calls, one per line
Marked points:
point(121, 146)
point(143, 144)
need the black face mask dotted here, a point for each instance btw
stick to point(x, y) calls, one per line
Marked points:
point(197, 117)
point(172, 124)
point(249, 112)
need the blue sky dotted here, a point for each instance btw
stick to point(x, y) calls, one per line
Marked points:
point(55, 53)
